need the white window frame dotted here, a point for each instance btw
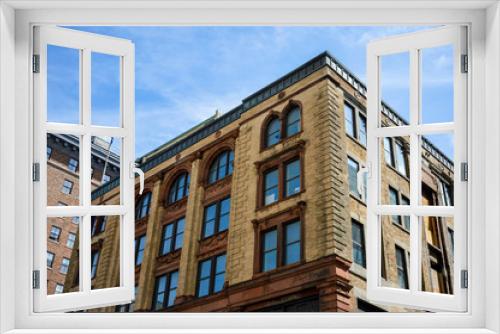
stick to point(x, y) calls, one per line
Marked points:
point(412, 43)
point(16, 18)
point(84, 43)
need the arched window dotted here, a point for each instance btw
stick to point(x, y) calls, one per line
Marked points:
point(273, 132)
point(221, 166)
point(142, 206)
point(179, 188)
point(292, 122)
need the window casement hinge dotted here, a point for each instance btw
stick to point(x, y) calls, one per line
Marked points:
point(36, 63)
point(464, 279)
point(465, 63)
point(464, 171)
point(36, 279)
point(36, 172)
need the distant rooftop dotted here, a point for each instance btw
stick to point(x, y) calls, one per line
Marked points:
point(213, 124)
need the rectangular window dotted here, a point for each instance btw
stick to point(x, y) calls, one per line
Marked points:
point(70, 242)
point(59, 288)
point(98, 224)
point(401, 267)
point(362, 129)
point(173, 235)
point(406, 219)
point(55, 233)
point(140, 244)
point(94, 263)
point(292, 178)
point(353, 168)
point(271, 186)
point(451, 235)
point(50, 259)
point(67, 187)
point(388, 152)
point(358, 244)
point(49, 152)
point(106, 178)
point(216, 217)
point(394, 200)
point(401, 159)
point(73, 165)
point(165, 290)
point(349, 115)
point(281, 246)
point(211, 275)
point(270, 250)
point(64, 266)
point(292, 243)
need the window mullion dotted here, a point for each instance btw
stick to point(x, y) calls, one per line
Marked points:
point(415, 243)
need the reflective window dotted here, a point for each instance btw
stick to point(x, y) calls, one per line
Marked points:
point(292, 243)
point(358, 244)
point(292, 178)
point(270, 250)
point(221, 166)
point(142, 207)
point(73, 165)
point(140, 244)
point(179, 188)
point(211, 275)
point(352, 169)
point(271, 186)
point(292, 121)
point(70, 243)
point(216, 217)
point(50, 259)
point(55, 233)
point(165, 290)
point(402, 268)
point(173, 236)
point(273, 132)
point(349, 116)
point(63, 269)
point(94, 262)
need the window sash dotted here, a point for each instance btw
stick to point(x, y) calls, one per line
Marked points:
point(414, 297)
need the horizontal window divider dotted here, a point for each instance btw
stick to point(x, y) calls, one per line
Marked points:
point(419, 210)
point(78, 211)
point(80, 130)
point(407, 130)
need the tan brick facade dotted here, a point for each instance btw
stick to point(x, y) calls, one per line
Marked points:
point(325, 278)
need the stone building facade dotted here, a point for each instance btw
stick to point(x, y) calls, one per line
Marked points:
point(63, 187)
point(258, 209)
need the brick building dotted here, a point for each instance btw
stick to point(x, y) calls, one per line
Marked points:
point(258, 209)
point(63, 155)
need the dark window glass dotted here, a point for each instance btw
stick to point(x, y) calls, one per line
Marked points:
point(94, 263)
point(401, 159)
point(142, 207)
point(401, 268)
point(173, 236)
point(140, 244)
point(292, 243)
point(292, 178)
point(98, 224)
point(216, 217)
point(447, 194)
point(50, 259)
point(273, 132)
point(270, 186)
point(451, 235)
point(388, 152)
point(406, 219)
point(179, 188)
point(221, 167)
point(394, 200)
point(270, 250)
point(55, 233)
point(205, 269)
point(211, 274)
point(293, 121)
point(358, 244)
point(349, 114)
point(220, 272)
point(362, 129)
point(73, 165)
point(353, 168)
point(165, 290)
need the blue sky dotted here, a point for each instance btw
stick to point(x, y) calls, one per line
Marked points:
point(183, 74)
